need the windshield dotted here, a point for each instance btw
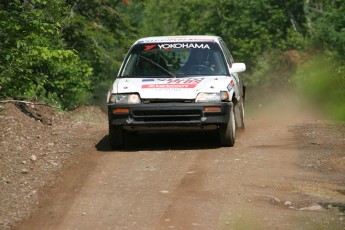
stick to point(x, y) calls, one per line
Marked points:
point(174, 60)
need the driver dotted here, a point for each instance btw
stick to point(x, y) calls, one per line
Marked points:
point(198, 62)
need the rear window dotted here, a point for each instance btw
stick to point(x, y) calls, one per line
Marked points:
point(174, 60)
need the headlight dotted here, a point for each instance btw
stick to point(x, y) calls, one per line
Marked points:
point(212, 97)
point(224, 96)
point(125, 99)
point(208, 97)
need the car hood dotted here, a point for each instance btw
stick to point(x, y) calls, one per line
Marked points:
point(170, 88)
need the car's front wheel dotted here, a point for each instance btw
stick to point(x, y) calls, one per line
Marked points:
point(116, 136)
point(239, 115)
point(227, 132)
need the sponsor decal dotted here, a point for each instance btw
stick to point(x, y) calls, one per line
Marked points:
point(170, 83)
point(168, 46)
point(178, 39)
point(149, 47)
point(228, 87)
point(232, 83)
point(168, 89)
point(183, 46)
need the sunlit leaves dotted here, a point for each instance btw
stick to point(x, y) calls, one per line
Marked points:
point(100, 33)
point(249, 27)
point(33, 60)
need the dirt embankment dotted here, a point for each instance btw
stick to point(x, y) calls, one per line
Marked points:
point(36, 144)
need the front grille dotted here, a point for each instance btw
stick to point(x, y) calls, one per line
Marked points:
point(166, 115)
point(149, 101)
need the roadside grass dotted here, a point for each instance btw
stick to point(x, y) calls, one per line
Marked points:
point(85, 117)
point(317, 78)
point(88, 114)
point(268, 81)
point(321, 79)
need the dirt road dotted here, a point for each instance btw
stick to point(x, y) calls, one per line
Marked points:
point(274, 178)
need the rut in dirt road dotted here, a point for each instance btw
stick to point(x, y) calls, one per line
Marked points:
point(186, 181)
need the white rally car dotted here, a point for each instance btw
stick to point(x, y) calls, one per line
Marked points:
point(177, 83)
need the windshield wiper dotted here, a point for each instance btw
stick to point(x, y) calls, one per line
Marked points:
point(157, 65)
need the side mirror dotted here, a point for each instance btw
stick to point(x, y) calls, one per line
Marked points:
point(238, 67)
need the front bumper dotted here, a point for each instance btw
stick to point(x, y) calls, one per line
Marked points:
point(160, 116)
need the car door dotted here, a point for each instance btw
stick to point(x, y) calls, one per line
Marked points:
point(230, 61)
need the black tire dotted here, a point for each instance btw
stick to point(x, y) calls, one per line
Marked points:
point(239, 108)
point(239, 115)
point(227, 132)
point(116, 137)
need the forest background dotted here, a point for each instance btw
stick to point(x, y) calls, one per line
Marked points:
point(67, 52)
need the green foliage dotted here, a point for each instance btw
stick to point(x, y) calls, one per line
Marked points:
point(34, 62)
point(259, 32)
point(100, 33)
point(61, 50)
point(273, 69)
point(250, 28)
point(322, 79)
point(328, 29)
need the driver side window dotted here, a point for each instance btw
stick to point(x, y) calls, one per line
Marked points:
point(227, 53)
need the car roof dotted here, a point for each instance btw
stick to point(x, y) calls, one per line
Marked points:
point(181, 38)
